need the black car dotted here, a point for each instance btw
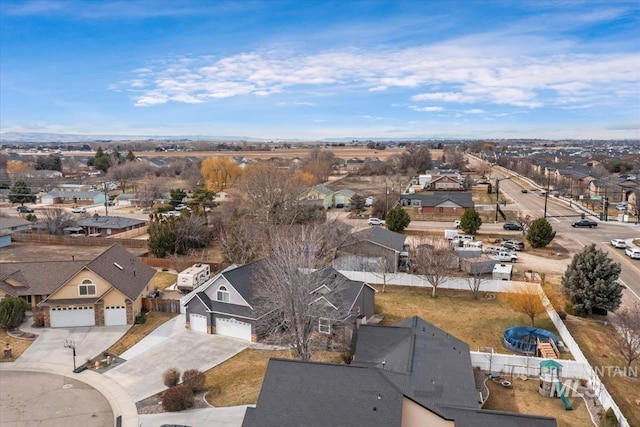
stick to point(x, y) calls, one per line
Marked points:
point(585, 223)
point(512, 226)
point(24, 209)
point(524, 190)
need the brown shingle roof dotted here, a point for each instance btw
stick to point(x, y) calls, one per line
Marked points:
point(123, 270)
point(37, 278)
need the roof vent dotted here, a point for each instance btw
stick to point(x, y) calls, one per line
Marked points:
point(117, 265)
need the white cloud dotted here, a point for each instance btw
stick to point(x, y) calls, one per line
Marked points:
point(427, 109)
point(474, 111)
point(512, 71)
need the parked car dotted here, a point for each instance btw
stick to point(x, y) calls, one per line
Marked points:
point(516, 245)
point(24, 209)
point(79, 209)
point(633, 253)
point(504, 256)
point(524, 190)
point(622, 206)
point(181, 207)
point(618, 243)
point(375, 221)
point(456, 223)
point(512, 226)
point(585, 223)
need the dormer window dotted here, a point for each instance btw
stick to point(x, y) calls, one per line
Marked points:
point(87, 288)
point(222, 294)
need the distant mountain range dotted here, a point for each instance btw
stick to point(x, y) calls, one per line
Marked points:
point(15, 137)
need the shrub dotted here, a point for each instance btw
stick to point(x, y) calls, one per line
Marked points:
point(194, 379)
point(609, 419)
point(171, 377)
point(12, 312)
point(177, 398)
point(38, 319)
point(540, 233)
point(140, 319)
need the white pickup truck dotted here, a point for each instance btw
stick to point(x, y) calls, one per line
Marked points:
point(504, 256)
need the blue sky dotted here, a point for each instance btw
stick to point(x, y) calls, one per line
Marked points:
point(322, 69)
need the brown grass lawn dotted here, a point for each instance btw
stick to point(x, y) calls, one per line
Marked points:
point(162, 279)
point(524, 398)
point(597, 343)
point(137, 332)
point(479, 323)
point(17, 346)
point(237, 381)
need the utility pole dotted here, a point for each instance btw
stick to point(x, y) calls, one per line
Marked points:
point(546, 196)
point(106, 199)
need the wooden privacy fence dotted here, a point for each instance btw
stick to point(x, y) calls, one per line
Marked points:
point(77, 241)
point(160, 304)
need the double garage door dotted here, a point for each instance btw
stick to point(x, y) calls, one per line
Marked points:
point(70, 317)
point(233, 328)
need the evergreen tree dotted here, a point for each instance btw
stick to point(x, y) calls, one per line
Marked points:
point(397, 219)
point(470, 222)
point(540, 233)
point(130, 156)
point(591, 281)
point(177, 195)
point(21, 193)
point(12, 311)
point(358, 203)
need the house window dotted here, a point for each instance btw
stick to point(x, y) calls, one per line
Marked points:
point(324, 326)
point(441, 209)
point(222, 294)
point(87, 288)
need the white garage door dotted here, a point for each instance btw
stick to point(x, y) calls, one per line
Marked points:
point(69, 317)
point(340, 199)
point(233, 328)
point(115, 315)
point(198, 322)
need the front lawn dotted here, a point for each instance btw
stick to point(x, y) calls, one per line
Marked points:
point(162, 279)
point(237, 381)
point(138, 332)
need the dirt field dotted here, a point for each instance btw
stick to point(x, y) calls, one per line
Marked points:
point(28, 252)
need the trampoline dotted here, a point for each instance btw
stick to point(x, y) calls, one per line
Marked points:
point(524, 339)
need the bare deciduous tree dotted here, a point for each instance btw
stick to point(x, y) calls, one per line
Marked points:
point(56, 219)
point(293, 299)
point(475, 282)
point(434, 259)
point(127, 172)
point(238, 241)
point(627, 323)
point(274, 195)
point(524, 221)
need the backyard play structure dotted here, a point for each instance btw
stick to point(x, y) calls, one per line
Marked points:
point(551, 382)
point(531, 341)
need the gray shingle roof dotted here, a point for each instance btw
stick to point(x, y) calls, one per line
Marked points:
point(381, 236)
point(465, 417)
point(114, 222)
point(10, 222)
point(225, 308)
point(38, 278)
point(310, 394)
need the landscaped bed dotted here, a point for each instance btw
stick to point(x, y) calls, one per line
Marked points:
point(17, 345)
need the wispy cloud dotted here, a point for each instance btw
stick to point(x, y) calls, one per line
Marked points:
point(470, 74)
point(427, 109)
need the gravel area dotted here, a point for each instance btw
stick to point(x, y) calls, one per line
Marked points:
point(153, 404)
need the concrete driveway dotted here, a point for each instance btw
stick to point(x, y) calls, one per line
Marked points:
point(170, 346)
point(89, 342)
point(218, 417)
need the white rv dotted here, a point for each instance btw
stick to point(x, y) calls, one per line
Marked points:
point(193, 277)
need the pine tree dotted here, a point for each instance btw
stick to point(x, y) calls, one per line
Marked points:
point(470, 222)
point(397, 219)
point(591, 281)
point(540, 233)
point(21, 193)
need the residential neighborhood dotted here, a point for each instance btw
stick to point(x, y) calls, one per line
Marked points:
point(380, 288)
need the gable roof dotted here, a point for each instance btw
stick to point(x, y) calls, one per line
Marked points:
point(10, 222)
point(322, 189)
point(461, 198)
point(37, 278)
point(381, 236)
point(429, 365)
point(122, 270)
